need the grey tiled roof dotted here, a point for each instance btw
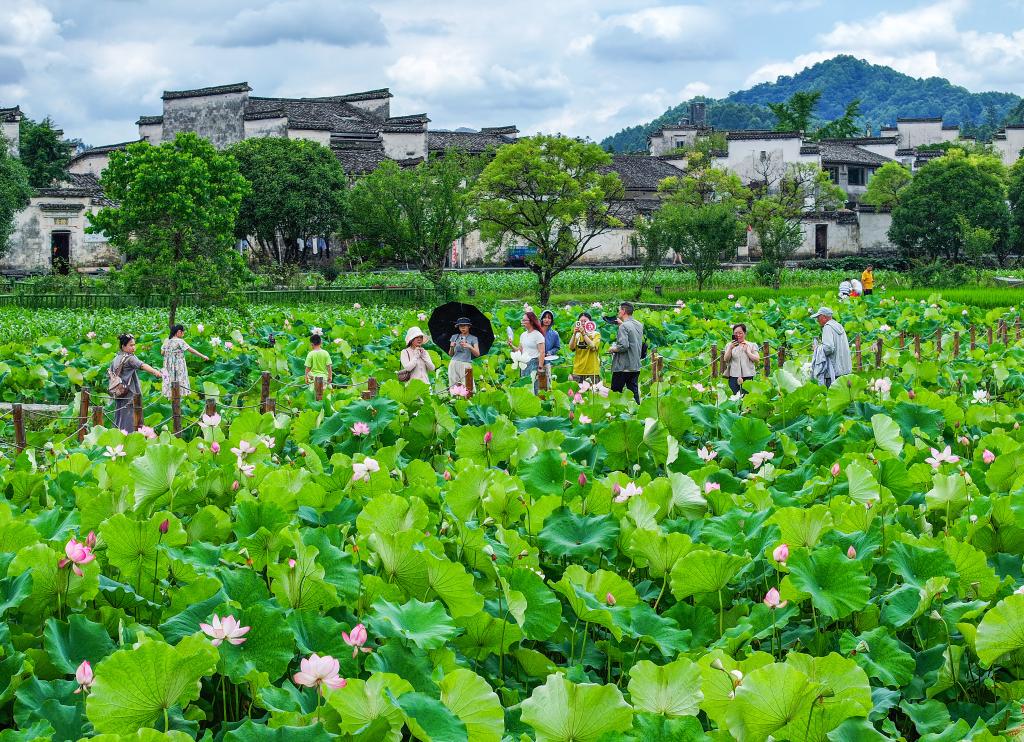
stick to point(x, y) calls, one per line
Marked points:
point(360, 161)
point(499, 130)
point(809, 149)
point(75, 185)
point(466, 141)
point(864, 140)
point(627, 210)
point(8, 115)
point(144, 120)
point(414, 124)
point(377, 94)
point(838, 152)
point(951, 127)
point(102, 149)
point(763, 134)
point(918, 119)
point(327, 114)
point(238, 87)
point(641, 172)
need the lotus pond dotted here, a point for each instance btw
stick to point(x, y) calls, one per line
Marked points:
point(798, 564)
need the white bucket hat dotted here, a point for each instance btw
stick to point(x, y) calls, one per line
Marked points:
point(412, 334)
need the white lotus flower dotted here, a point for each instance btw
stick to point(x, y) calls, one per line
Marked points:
point(706, 454)
point(627, 492)
point(980, 396)
point(883, 385)
point(363, 469)
point(759, 458)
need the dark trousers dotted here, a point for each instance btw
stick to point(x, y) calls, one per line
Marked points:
point(867, 291)
point(736, 383)
point(627, 380)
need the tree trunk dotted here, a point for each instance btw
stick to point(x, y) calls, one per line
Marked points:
point(173, 313)
point(545, 287)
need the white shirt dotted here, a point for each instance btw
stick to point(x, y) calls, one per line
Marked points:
point(529, 341)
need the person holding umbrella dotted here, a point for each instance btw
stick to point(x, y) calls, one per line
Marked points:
point(463, 348)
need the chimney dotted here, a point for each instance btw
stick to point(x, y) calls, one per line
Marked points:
point(698, 114)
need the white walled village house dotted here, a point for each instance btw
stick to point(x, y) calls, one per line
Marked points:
point(360, 130)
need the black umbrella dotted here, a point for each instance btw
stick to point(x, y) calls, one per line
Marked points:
point(442, 325)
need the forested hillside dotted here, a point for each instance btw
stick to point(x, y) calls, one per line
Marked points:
point(884, 94)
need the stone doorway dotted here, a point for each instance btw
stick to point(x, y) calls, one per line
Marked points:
point(60, 252)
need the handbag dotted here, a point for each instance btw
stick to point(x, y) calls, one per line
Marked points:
point(404, 375)
point(115, 386)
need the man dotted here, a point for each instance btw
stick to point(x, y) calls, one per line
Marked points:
point(832, 354)
point(627, 351)
point(868, 279)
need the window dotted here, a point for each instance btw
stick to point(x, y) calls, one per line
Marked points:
point(833, 174)
point(764, 155)
point(857, 176)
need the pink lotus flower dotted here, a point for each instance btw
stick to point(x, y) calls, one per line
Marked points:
point(699, 387)
point(987, 456)
point(421, 317)
point(578, 398)
point(488, 437)
point(78, 553)
point(781, 553)
point(357, 305)
point(883, 385)
point(584, 420)
point(83, 676)
point(706, 454)
point(90, 335)
point(710, 487)
point(291, 564)
point(226, 629)
point(771, 599)
point(584, 387)
point(759, 458)
point(851, 552)
point(165, 526)
point(244, 449)
point(835, 469)
point(209, 421)
point(938, 457)
point(601, 389)
point(356, 639)
point(215, 447)
point(363, 469)
point(229, 345)
point(582, 480)
point(964, 440)
point(609, 599)
point(200, 328)
point(248, 470)
point(269, 441)
point(147, 432)
point(316, 671)
point(459, 390)
point(627, 492)
point(360, 428)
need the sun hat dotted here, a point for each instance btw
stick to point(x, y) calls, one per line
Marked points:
point(463, 321)
point(822, 312)
point(412, 334)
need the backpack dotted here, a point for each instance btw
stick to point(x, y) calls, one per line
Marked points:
point(116, 387)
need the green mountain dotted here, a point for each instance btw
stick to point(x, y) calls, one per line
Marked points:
point(884, 94)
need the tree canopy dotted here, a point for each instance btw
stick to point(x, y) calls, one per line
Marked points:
point(298, 193)
point(552, 193)
point(949, 195)
point(175, 218)
point(43, 152)
point(1016, 197)
point(15, 193)
point(886, 184)
point(414, 214)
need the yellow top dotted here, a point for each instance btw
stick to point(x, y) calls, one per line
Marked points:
point(587, 361)
point(868, 279)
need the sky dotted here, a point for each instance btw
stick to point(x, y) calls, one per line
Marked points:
point(579, 67)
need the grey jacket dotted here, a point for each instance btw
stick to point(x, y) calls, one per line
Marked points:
point(628, 344)
point(836, 347)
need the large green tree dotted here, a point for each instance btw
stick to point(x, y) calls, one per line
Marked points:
point(886, 185)
point(797, 114)
point(174, 218)
point(298, 193)
point(15, 193)
point(1016, 198)
point(43, 152)
point(414, 214)
point(945, 195)
point(552, 193)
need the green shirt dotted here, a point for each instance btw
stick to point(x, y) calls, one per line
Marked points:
point(317, 361)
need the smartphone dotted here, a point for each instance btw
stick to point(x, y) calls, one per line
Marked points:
point(511, 333)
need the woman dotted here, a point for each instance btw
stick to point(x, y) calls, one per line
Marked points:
point(463, 348)
point(415, 359)
point(740, 358)
point(173, 350)
point(531, 345)
point(586, 344)
point(125, 367)
point(552, 343)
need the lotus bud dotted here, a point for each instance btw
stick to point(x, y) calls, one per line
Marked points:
point(609, 599)
point(862, 646)
point(737, 678)
point(291, 564)
point(1016, 426)
point(935, 616)
point(717, 664)
point(447, 475)
point(851, 552)
point(572, 416)
point(616, 489)
point(974, 519)
point(582, 480)
point(964, 440)
point(781, 553)
point(912, 394)
point(987, 456)
point(90, 540)
point(488, 521)
point(488, 437)
point(234, 486)
point(524, 553)
point(164, 526)
point(215, 447)
point(835, 469)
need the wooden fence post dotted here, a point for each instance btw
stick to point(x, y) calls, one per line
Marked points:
point(990, 335)
point(766, 351)
point(211, 406)
point(956, 343)
point(371, 388)
point(83, 414)
point(938, 343)
point(264, 391)
point(655, 367)
point(878, 352)
point(714, 360)
point(469, 381)
point(857, 353)
point(318, 387)
point(782, 355)
point(137, 411)
point(1002, 331)
point(19, 427)
point(542, 379)
point(97, 416)
point(903, 339)
point(974, 337)
point(272, 405)
point(917, 347)
point(176, 407)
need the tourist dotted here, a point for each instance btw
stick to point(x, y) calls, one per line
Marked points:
point(531, 345)
point(627, 351)
point(416, 363)
point(831, 358)
point(552, 342)
point(123, 381)
point(740, 359)
point(318, 362)
point(857, 287)
point(868, 279)
point(845, 288)
point(175, 369)
point(463, 348)
point(677, 258)
point(586, 344)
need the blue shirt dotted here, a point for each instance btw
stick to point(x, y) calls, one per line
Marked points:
point(552, 343)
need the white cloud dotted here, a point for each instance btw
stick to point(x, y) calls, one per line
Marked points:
point(26, 23)
point(925, 27)
point(337, 24)
point(663, 33)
